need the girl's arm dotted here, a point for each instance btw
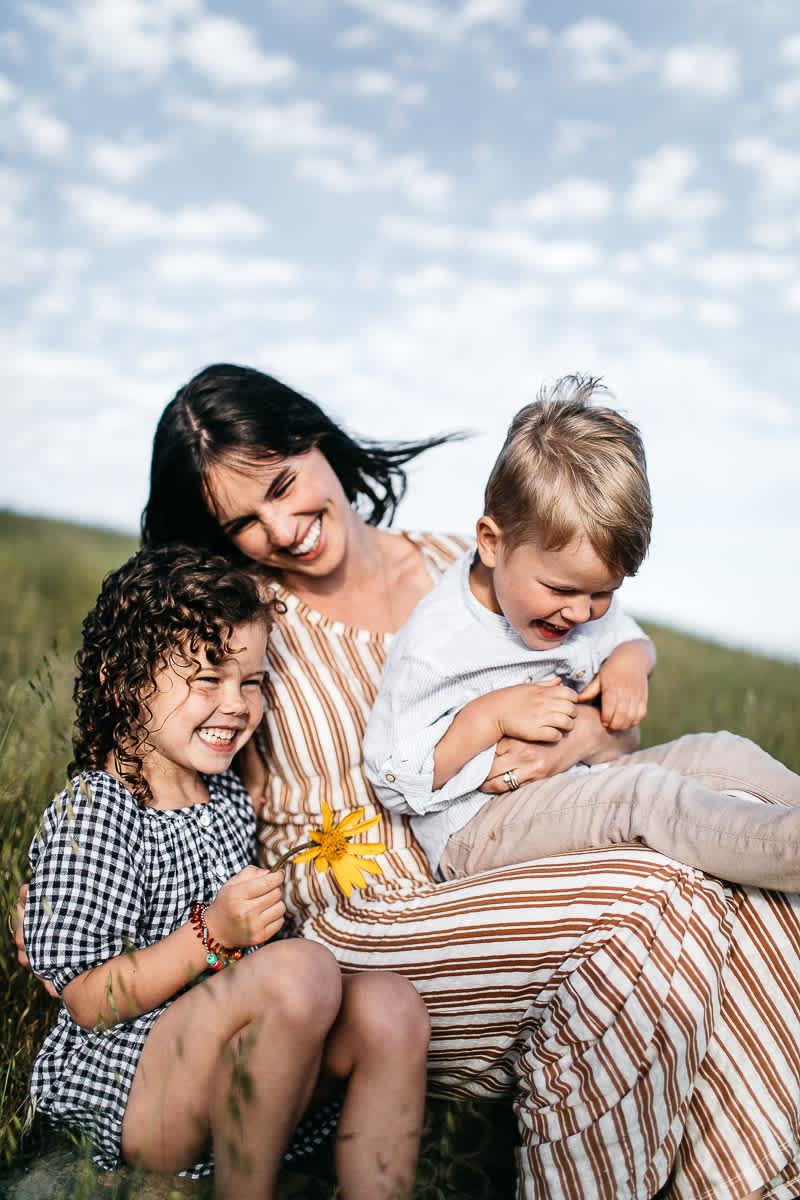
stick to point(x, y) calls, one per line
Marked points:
point(247, 911)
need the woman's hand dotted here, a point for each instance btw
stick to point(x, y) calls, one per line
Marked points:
point(19, 939)
point(248, 909)
point(588, 741)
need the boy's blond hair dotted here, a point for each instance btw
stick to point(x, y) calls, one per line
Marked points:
point(569, 469)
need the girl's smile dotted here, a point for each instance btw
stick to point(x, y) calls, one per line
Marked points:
point(200, 714)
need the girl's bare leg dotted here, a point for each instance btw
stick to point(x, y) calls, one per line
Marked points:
point(380, 1043)
point(236, 1059)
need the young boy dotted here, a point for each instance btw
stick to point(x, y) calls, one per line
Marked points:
point(514, 631)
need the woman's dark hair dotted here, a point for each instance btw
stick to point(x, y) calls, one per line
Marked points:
point(163, 606)
point(237, 412)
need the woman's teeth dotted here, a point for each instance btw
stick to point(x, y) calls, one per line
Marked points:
point(217, 737)
point(310, 541)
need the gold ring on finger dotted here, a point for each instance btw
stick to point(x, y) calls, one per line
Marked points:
point(511, 780)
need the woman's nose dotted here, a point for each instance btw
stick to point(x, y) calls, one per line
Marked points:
point(279, 525)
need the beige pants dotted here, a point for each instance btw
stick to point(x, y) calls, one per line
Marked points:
point(671, 797)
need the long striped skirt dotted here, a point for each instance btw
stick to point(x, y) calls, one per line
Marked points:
point(644, 1017)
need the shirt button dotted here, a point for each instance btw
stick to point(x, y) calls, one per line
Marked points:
point(529, 679)
point(205, 820)
point(390, 778)
point(220, 872)
point(579, 674)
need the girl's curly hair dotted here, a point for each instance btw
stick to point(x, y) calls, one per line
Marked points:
point(163, 605)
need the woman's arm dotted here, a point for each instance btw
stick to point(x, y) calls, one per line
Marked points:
point(588, 741)
point(247, 911)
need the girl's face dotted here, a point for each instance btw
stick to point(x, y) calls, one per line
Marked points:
point(201, 714)
point(287, 513)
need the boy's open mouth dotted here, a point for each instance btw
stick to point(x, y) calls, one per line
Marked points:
point(548, 630)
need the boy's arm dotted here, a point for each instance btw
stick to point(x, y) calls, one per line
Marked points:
point(622, 684)
point(541, 712)
point(248, 910)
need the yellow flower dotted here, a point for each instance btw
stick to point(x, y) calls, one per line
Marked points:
point(331, 847)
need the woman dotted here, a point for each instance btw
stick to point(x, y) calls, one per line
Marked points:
point(644, 1018)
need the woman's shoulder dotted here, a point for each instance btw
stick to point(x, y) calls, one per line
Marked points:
point(439, 549)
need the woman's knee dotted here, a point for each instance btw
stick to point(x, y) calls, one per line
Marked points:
point(298, 982)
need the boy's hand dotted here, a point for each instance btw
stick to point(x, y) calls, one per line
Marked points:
point(248, 909)
point(539, 712)
point(622, 684)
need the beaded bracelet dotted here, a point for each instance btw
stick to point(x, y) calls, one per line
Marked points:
point(217, 955)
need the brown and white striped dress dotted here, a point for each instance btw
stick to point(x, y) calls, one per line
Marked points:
point(645, 1018)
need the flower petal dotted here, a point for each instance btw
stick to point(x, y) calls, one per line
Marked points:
point(361, 848)
point(342, 876)
point(306, 855)
point(350, 819)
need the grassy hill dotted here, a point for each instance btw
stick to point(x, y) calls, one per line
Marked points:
point(50, 576)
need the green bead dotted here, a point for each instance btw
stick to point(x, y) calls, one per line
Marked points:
point(211, 959)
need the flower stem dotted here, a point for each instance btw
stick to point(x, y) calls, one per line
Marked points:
point(284, 858)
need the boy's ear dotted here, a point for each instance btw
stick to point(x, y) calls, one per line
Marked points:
point(487, 533)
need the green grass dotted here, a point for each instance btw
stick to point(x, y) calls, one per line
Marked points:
point(51, 573)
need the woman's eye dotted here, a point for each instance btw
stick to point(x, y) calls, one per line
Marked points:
point(281, 487)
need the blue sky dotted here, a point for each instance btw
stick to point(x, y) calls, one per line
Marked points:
point(417, 212)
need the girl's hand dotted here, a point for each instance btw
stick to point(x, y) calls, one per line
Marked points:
point(248, 909)
point(588, 742)
point(19, 940)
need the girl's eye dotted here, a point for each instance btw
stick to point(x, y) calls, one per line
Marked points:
point(252, 683)
point(205, 679)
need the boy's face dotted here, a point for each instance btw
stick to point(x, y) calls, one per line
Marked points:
point(544, 594)
point(202, 715)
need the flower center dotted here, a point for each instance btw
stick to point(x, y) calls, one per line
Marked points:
point(334, 845)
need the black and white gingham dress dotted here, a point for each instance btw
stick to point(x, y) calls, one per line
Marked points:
point(108, 873)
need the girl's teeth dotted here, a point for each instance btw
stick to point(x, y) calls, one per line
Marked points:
point(218, 736)
point(310, 540)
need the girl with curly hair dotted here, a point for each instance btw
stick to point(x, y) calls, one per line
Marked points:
point(144, 889)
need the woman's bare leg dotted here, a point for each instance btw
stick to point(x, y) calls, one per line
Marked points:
point(380, 1043)
point(235, 1058)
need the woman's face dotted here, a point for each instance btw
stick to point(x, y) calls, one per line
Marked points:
point(287, 513)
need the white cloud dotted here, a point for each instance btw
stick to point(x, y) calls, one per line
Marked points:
point(357, 38)
point(720, 314)
point(660, 188)
point(517, 246)
point(143, 38)
point(301, 125)
point(786, 95)
point(602, 52)
point(778, 170)
point(125, 160)
point(705, 70)
point(338, 157)
point(424, 19)
point(221, 271)
point(789, 49)
point(116, 217)
point(407, 175)
point(7, 90)
point(572, 137)
point(123, 35)
point(573, 199)
point(370, 83)
point(538, 36)
point(226, 52)
point(45, 134)
point(736, 270)
point(504, 79)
